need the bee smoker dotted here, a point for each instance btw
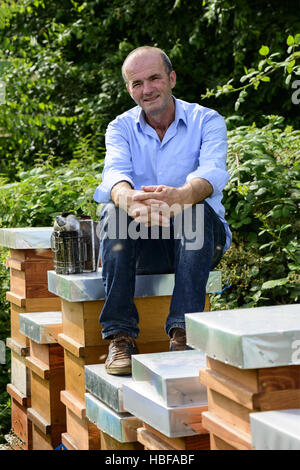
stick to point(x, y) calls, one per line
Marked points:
point(75, 244)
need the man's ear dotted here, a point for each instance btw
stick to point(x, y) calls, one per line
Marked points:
point(127, 88)
point(172, 78)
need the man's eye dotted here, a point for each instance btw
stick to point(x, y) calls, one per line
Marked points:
point(135, 85)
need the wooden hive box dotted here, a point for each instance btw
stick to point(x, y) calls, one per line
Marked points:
point(118, 430)
point(30, 259)
point(20, 423)
point(152, 439)
point(166, 395)
point(82, 299)
point(28, 272)
point(20, 391)
point(173, 385)
point(29, 287)
point(104, 407)
point(174, 421)
point(81, 434)
point(252, 369)
point(29, 306)
point(46, 365)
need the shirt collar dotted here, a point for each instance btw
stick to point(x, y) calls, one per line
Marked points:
point(179, 115)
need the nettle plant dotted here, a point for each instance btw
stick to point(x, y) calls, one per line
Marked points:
point(262, 196)
point(262, 202)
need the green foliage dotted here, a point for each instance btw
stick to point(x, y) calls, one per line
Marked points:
point(45, 190)
point(4, 333)
point(61, 64)
point(265, 68)
point(262, 201)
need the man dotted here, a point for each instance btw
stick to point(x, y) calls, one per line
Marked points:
point(165, 169)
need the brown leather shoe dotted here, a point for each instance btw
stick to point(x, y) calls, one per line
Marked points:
point(121, 348)
point(178, 340)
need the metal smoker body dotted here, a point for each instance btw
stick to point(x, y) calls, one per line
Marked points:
point(75, 244)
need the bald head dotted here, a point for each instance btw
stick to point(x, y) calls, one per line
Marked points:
point(144, 50)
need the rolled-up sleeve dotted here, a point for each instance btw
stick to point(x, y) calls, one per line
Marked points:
point(118, 162)
point(213, 151)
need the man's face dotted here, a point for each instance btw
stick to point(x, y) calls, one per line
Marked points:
point(148, 83)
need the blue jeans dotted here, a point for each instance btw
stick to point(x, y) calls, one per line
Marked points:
point(122, 259)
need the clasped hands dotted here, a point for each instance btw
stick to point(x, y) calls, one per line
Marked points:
point(154, 205)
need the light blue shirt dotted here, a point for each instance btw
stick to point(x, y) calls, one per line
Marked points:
point(195, 145)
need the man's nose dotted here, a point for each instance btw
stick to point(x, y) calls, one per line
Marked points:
point(148, 88)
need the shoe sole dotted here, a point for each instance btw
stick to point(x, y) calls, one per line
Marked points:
point(174, 348)
point(120, 371)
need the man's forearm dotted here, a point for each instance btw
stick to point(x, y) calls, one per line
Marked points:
point(122, 194)
point(122, 190)
point(195, 191)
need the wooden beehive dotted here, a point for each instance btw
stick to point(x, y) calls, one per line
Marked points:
point(82, 299)
point(234, 393)
point(252, 370)
point(46, 366)
point(29, 260)
point(152, 439)
point(29, 286)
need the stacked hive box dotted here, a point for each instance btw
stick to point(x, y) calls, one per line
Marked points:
point(46, 365)
point(104, 407)
point(82, 300)
point(30, 259)
point(167, 396)
point(276, 430)
point(251, 367)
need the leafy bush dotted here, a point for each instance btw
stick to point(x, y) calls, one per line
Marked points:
point(45, 190)
point(261, 201)
point(61, 63)
point(289, 67)
point(4, 333)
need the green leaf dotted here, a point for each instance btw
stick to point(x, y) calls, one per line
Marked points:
point(268, 258)
point(261, 191)
point(265, 79)
point(288, 79)
point(294, 267)
point(274, 283)
point(264, 50)
point(290, 40)
point(237, 105)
